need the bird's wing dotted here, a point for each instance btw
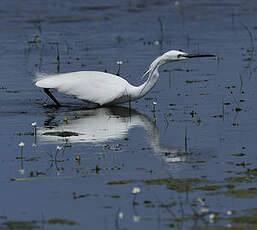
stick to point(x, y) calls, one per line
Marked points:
point(92, 86)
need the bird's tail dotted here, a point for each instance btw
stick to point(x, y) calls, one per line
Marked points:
point(44, 80)
point(39, 76)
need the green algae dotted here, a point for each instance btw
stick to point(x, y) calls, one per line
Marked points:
point(120, 182)
point(250, 210)
point(251, 172)
point(240, 179)
point(245, 219)
point(195, 81)
point(177, 184)
point(221, 228)
point(213, 187)
point(78, 196)
point(241, 193)
point(61, 221)
point(28, 225)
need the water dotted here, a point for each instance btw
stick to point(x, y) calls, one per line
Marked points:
point(199, 143)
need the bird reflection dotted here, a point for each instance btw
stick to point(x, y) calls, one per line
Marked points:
point(106, 124)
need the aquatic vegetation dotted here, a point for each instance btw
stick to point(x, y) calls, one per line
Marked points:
point(239, 179)
point(241, 193)
point(61, 134)
point(195, 81)
point(121, 182)
point(120, 215)
point(212, 218)
point(251, 172)
point(217, 227)
point(25, 225)
point(78, 196)
point(78, 158)
point(177, 184)
point(34, 124)
point(213, 129)
point(251, 40)
point(21, 145)
point(136, 218)
point(238, 154)
point(135, 192)
point(245, 219)
point(154, 106)
point(97, 169)
point(61, 221)
point(119, 63)
point(212, 187)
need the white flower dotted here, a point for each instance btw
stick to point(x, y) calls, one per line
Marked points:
point(229, 213)
point(176, 3)
point(136, 190)
point(204, 210)
point(120, 215)
point(58, 147)
point(34, 145)
point(136, 218)
point(211, 217)
point(34, 124)
point(154, 103)
point(22, 171)
point(201, 201)
point(119, 62)
point(21, 144)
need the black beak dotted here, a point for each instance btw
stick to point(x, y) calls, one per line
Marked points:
point(199, 55)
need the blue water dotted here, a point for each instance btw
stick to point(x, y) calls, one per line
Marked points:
point(210, 103)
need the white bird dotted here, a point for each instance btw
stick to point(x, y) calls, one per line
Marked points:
point(104, 88)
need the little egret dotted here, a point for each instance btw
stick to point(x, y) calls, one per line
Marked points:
point(104, 88)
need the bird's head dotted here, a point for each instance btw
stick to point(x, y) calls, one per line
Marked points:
point(175, 55)
point(172, 56)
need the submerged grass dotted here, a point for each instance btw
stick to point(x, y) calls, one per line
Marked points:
point(120, 182)
point(251, 172)
point(28, 225)
point(250, 210)
point(223, 228)
point(214, 187)
point(241, 193)
point(246, 220)
point(78, 196)
point(177, 184)
point(247, 176)
point(33, 224)
point(240, 179)
point(61, 221)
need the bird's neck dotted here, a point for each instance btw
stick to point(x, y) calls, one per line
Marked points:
point(149, 83)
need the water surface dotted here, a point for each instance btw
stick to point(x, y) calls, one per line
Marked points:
point(200, 142)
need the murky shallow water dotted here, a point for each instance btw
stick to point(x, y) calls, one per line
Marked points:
point(206, 107)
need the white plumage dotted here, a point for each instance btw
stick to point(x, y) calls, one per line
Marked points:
point(105, 88)
point(86, 85)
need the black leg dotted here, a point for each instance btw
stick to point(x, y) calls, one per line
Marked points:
point(51, 96)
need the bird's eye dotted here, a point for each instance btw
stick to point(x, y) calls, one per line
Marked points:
point(179, 56)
